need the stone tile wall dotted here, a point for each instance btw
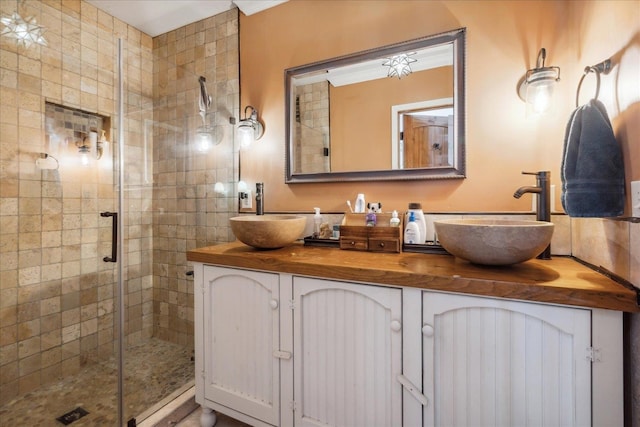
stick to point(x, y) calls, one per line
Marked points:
point(312, 126)
point(188, 211)
point(56, 295)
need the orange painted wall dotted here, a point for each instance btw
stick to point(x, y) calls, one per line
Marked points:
point(503, 39)
point(361, 116)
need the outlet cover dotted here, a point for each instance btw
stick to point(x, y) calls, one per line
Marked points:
point(246, 203)
point(635, 199)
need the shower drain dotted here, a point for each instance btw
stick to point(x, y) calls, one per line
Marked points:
point(72, 416)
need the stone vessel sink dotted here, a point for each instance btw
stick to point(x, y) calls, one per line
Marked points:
point(494, 241)
point(267, 231)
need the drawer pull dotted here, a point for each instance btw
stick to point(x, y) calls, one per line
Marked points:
point(381, 244)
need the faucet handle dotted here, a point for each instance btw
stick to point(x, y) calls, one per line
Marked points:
point(539, 174)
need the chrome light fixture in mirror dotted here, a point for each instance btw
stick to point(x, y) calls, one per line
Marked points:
point(352, 118)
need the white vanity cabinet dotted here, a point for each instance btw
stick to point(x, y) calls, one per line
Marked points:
point(346, 340)
point(237, 341)
point(278, 349)
point(347, 354)
point(489, 362)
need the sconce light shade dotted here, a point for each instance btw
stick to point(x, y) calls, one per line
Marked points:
point(206, 137)
point(536, 88)
point(84, 150)
point(249, 129)
point(203, 139)
point(90, 148)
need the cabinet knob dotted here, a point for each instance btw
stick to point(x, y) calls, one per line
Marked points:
point(274, 304)
point(381, 244)
point(395, 325)
point(427, 330)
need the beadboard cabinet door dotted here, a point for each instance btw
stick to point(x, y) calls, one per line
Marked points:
point(241, 338)
point(347, 354)
point(489, 362)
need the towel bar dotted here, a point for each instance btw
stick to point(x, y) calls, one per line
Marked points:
point(603, 67)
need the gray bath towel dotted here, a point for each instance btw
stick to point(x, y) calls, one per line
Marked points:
point(592, 169)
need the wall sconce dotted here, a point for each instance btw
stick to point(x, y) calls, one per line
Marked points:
point(206, 136)
point(83, 150)
point(399, 65)
point(87, 142)
point(536, 88)
point(249, 129)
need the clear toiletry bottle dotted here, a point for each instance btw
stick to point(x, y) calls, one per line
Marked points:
point(416, 209)
point(412, 231)
point(317, 221)
point(394, 221)
point(360, 204)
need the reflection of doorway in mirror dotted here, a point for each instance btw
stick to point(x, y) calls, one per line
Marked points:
point(422, 135)
point(425, 140)
point(312, 127)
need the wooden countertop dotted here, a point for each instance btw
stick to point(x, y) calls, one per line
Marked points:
point(561, 280)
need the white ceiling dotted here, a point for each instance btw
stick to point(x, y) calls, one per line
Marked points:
point(155, 17)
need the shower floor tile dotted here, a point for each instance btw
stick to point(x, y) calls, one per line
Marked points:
point(153, 370)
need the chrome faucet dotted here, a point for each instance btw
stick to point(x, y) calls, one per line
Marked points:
point(543, 201)
point(259, 198)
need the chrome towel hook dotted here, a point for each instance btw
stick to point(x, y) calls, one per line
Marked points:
point(603, 67)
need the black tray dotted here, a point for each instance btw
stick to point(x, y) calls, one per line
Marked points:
point(326, 243)
point(427, 248)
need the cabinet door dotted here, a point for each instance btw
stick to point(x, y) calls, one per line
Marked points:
point(347, 354)
point(490, 362)
point(241, 334)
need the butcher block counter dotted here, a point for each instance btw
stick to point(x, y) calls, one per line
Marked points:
point(561, 280)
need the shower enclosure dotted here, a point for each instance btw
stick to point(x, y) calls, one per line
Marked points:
point(85, 338)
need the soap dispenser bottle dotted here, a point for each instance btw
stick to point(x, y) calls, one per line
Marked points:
point(317, 222)
point(394, 221)
point(412, 231)
point(416, 210)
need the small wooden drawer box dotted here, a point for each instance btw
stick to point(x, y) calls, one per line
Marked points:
point(356, 235)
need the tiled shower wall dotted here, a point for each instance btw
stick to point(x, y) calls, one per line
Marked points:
point(312, 126)
point(188, 211)
point(56, 295)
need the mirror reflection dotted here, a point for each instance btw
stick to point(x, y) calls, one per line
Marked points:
point(396, 112)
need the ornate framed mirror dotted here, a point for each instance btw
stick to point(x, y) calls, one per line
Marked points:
point(396, 112)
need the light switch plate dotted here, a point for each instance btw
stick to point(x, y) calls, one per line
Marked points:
point(635, 199)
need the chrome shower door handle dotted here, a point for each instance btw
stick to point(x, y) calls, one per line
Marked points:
point(114, 236)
